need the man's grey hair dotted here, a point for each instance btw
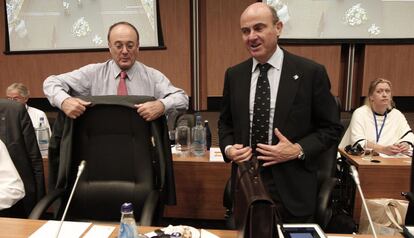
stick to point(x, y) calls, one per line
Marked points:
point(21, 88)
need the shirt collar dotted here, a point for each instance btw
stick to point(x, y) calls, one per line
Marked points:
point(117, 70)
point(275, 60)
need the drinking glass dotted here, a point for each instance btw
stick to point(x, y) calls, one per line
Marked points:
point(182, 139)
point(368, 152)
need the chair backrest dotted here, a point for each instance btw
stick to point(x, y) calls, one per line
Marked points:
point(327, 162)
point(17, 133)
point(409, 218)
point(326, 183)
point(125, 160)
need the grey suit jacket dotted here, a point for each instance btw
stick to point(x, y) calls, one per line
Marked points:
point(305, 112)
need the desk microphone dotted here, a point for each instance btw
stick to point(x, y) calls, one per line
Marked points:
point(80, 170)
point(355, 176)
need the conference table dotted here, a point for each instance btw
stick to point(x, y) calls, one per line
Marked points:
point(384, 179)
point(19, 228)
point(23, 228)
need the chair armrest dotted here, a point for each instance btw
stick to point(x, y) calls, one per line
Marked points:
point(323, 212)
point(149, 208)
point(227, 199)
point(409, 196)
point(44, 203)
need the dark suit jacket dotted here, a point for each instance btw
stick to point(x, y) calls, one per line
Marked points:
point(17, 133)
point(305, 113)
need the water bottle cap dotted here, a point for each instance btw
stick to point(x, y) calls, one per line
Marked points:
point(127, 207)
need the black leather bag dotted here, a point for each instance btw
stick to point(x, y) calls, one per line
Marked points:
point(254, 211)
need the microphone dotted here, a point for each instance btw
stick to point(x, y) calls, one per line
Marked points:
point(355, 176)
point(80, 171)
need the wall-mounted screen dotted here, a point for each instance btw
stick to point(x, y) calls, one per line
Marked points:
point(37, 25)
point(346, 19)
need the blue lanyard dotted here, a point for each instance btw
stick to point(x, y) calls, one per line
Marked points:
point(378, 133)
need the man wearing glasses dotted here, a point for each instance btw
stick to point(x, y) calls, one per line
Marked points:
point(20, 93)
point(121, 75)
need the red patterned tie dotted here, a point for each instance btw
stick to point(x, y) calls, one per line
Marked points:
point(122, 89)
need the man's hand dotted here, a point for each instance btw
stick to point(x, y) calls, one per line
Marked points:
point(150, 110)
point(238, 154)
point(281, 152)
point(74, 107)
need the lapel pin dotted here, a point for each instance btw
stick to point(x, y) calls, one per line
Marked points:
point(295, 77)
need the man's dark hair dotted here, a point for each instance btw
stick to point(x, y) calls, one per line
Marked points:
point(123, 23)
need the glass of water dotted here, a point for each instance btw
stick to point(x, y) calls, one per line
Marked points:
point(368, 152)
point(182, 139)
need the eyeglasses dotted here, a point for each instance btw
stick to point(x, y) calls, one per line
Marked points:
point(129, 46)
point(17, 98)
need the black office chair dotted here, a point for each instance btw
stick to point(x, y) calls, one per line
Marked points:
point(326, 184)
point(127, 160)
point(17, 133)
point(409, 217)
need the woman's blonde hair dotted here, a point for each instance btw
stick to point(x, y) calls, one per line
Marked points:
point(372, 87)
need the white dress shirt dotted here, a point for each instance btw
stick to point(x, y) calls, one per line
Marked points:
point(103, 78)
point(35, 115)
point(11, 185)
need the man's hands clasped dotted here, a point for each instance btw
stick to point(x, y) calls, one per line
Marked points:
point(270, 154)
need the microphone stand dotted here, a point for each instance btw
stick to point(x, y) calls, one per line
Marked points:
point(355, 176)
point(80, 170)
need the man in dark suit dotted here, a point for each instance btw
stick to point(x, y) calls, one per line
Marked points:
point(17, 133)
point(302, 119)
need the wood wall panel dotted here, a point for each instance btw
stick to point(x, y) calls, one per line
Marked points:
point(393, 62)
point(174, 62)
point(223, 46)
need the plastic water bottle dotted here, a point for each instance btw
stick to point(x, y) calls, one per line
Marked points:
point(127, 227)
point(198, 133)
point(208, 135)
point(43, 137)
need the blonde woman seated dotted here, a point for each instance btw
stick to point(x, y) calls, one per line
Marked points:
point(379, 124)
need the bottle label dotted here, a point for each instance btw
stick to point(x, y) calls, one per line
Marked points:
point(127, 231)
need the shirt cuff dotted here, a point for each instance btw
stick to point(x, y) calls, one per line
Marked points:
point(59, 98)
point(167, 105)
point(226, 149)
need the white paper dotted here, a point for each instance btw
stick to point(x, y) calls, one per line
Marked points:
point(171, 229)
point(215, 155)
point(399, 156)
point(69, 229)
point(207, 234)
point(99, 231)
point(174, 150)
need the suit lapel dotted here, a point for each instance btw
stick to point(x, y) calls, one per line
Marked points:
point(244, 85)
point(289, 82)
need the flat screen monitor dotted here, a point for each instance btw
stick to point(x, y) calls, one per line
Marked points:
point(350, 20)
point(38, 25)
